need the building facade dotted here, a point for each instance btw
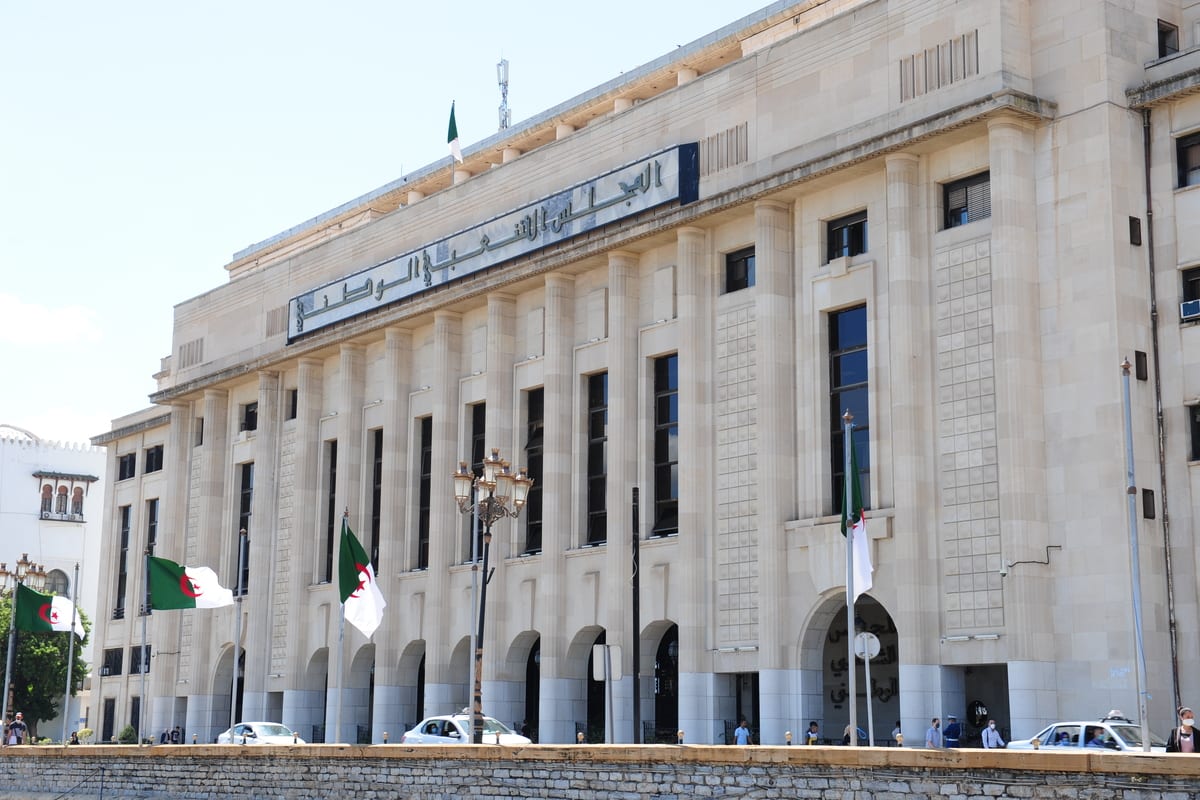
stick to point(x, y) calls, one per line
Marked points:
point(934, 214)
point(51, 514)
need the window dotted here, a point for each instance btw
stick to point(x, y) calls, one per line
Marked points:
point(122, 564)
point(77, 501)
point(376, 494)
point(60, 501)
point(846, 236)
point(126, 466)
point(151, 539)
point(1168, 39)
point(112, 663)
point(848, 391)
point(331, 530)
point(597, 458)
point(154, 459)
point(739, 270)
point(535, 418)
point(58, 583)
point(47, 498)
point(1187, 155)
point(967, 200)
point(476, 447)
point(666, 445)
point(249, 417)
point(139, 660)
point(425, 483)
point(293, 403)
point(199, 432)
point(241, 553)
point(1191, 284)
point(1194, 424)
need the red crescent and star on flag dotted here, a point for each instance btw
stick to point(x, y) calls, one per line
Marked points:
point(188, 588)
point(363, 577)
point(48, 614)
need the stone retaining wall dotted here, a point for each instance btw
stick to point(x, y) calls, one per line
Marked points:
point(556, 772)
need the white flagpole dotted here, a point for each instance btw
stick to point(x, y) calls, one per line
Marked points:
point(847, 497)
point(66, 707)
point(237, 628)
point(12, 646)
point(144, 707)
point(337, 714)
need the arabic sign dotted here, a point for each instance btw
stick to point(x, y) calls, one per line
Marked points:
point(671, 175)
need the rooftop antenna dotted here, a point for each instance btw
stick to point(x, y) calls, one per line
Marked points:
point(502, 79)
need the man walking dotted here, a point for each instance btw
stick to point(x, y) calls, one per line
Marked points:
point(17, 730)
point(991, 737)
point(933, 737)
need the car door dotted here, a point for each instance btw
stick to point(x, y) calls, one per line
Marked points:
point(1063, 735)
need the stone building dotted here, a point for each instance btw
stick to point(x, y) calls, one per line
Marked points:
point(932, 213)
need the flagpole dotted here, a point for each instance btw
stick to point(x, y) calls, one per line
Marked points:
point(237, 631)
point(12, 646)
point(474, 577)
point(143, 660)
point(337, 715)
point(70, 657)
point(847, 495)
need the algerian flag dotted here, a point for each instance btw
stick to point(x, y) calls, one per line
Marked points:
point(173, 586)
point(452, 137)
point(44, 612)
point(855, 519)
point(362, 602)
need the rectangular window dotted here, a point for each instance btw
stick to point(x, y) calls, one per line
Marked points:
point(425, 484)
point(1168, 39)
point(293, 403)
point(126, 466)
point(249, 417)
point(331, 515)
point(666, 445)
point(739, 270)
point(848, 392)
point(1191, 284)
point(199, 431)
point(112, 663)
point(139, 660)
point(846, 236)
point(245, 511)
point(535, 428)
point(476, 447)
point(967, 200)
point(154, 458)
point(376, 494)
point(1194, 425)
point(135, 712)
point(126, 514)
point(1187, 155)
point(597, 458)
point(151, 540)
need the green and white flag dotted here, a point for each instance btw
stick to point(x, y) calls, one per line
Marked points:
point(854, 524)
point(174, 586)
point(362, 601)
point(44, 612)
point(452, 137)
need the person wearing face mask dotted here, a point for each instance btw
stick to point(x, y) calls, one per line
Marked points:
point(992, 740)
point(1182, 738)
point(933, 737)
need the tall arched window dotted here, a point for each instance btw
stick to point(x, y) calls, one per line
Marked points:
point(60, 505)
point(58, 583)
point(77, 501)
point(47, 498)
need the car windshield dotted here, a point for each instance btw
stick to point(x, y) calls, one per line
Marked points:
point(494, 726)
point(1132, 735)
point(271, 730)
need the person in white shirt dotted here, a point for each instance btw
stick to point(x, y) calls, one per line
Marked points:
point(992, 739)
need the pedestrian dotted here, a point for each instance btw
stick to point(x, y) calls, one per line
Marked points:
point(741, 734)
point(992, 740)
point(74, 737)
point(952, 733)
point(1182, 738)
point(164, 737)
point(176, 735)
point(17, 730)
point(933, 736)
point(814, 733)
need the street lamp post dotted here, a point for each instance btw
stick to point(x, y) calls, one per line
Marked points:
point(494, 495)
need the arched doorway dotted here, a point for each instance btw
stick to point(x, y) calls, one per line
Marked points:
point(533, 680)
point(596, 713)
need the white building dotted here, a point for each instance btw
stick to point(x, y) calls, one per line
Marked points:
point(51, 504)
point(933, 213)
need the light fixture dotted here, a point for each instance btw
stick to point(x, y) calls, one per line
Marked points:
point(986, 636)
point(956, 638)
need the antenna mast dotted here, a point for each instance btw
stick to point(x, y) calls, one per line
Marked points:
point(502, 79)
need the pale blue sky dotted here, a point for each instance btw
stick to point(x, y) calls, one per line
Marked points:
point(142, 143)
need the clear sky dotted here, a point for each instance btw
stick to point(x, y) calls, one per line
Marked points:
point(143, 142)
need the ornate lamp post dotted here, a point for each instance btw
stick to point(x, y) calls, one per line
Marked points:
point(494, 495)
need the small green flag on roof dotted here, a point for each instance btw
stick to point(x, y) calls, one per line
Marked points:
point(452, 137)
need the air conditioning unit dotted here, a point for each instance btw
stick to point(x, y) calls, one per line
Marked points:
point(45, 515)
point(1189, 310)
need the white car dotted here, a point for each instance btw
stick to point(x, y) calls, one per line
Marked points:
point(1113, 733)
point(259, 733)
point(456, 729)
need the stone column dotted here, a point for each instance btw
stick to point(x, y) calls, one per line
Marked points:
point(444, 518)
point(1020, 434)
point(774, 310)
point(623, 441)
point(558, 530)
point(393, 706)
point(498, 427)
point(303, 707)
point(172, 522)
point(213, 529)
point(697, 708)
point(263, 532)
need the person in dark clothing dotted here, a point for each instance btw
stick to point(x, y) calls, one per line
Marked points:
point(952, 733)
